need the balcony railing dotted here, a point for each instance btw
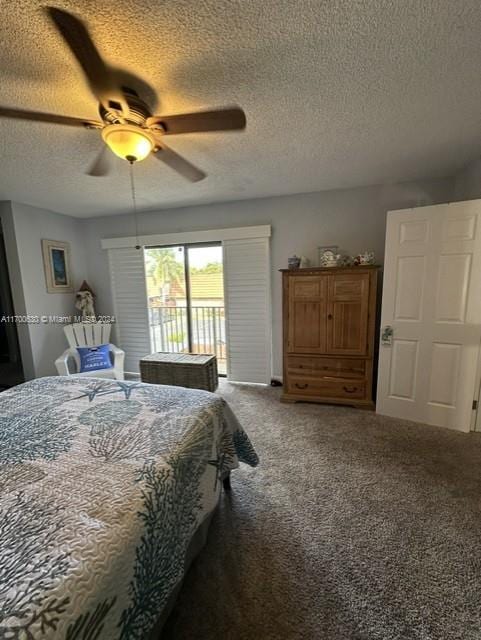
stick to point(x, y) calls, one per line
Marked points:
point(169, 331)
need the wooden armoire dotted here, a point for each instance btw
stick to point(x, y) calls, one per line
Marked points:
point(329, 323)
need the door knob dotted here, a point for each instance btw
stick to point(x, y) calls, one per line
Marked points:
point(386, 335)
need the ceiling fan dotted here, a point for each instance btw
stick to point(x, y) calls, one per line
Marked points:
point(126, 124)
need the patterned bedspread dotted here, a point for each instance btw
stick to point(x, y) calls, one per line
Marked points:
point(102, 485)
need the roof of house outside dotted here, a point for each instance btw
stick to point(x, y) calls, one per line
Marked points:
point(203, 286)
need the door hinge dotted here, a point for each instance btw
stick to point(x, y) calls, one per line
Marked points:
point(475, 405)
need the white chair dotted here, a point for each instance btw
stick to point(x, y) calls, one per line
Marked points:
point(89, 334)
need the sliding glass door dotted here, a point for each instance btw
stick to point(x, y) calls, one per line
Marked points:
point(185, 290)
point(167, 300)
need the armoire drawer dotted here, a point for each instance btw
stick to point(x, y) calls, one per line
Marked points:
point(326, 387)
point(321, 366)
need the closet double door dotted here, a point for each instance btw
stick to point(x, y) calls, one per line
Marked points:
point(328, 334)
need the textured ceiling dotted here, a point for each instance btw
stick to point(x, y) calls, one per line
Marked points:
point(337, 93)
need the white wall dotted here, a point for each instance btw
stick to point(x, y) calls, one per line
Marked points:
point(467, 184)
point(30, 226)
point(354, 219)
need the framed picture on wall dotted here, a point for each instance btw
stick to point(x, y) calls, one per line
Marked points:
point(56, 263)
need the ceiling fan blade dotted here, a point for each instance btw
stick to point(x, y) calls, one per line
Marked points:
point(52, 118)
point(78, 39)
point(102, 164)
point(218, 120)
point(178, 163)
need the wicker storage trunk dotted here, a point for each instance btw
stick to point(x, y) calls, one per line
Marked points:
point(196, 371)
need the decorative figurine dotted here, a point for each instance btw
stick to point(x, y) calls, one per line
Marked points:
point(294, 262)
point(329, 259)
point(367, 257)
point(84, 300)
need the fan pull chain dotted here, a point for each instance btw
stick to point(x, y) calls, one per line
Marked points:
point(134, 203)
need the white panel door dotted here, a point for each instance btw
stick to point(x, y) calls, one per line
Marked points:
point(428, 369)
point(248, 309)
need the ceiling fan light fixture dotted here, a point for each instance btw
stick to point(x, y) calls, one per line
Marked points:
point(130, 142)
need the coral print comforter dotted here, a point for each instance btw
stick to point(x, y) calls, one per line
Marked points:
point(102, 485)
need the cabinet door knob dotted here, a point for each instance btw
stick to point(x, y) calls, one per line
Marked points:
point(350, 389)
point(329, 317)
point(301, 386)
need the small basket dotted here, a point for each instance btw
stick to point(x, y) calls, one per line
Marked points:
point(192, 370)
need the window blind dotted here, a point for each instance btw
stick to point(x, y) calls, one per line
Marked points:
point(127, 271)
point(248, 309)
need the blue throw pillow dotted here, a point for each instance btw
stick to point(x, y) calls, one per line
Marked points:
point(94, 358)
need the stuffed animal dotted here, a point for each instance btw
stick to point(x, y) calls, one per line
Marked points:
point(84, 301)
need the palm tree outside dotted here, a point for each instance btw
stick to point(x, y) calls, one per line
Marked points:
point(165, 268)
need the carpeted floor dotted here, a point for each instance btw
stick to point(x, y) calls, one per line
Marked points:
point(353, 527)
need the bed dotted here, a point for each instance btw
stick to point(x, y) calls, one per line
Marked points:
point(106, 489)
